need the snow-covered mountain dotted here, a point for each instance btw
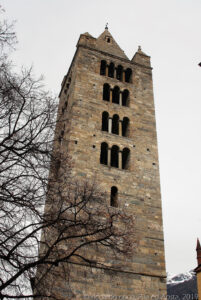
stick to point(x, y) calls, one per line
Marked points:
point(182, 286)
point(175, 279)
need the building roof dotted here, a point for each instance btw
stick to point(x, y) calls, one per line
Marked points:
point(105, 42)
point(88, 34)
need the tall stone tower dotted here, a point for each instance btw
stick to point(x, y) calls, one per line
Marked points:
point(111, 134)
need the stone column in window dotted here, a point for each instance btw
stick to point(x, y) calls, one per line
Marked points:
point(123, 76)
point(120, 127)
point(107, 70)
point(115, 73)
point(120, 159)
point(110, 125)
point(111, 91)
point(120, 98)
point(109, 157)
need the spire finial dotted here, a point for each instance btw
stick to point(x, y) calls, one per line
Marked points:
point(139, 48)
point(106, 26)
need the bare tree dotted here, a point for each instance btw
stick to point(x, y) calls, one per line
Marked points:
point(76, 215)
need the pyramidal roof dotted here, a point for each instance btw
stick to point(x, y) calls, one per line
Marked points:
point(88, 34)
point(105, 42)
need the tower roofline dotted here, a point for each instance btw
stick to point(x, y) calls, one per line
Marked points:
point(87, 41)
point(104, 42)
point(126, 60)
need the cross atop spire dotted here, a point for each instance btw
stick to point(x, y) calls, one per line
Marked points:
point(106, 26)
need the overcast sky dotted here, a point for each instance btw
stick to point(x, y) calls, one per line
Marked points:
point(169, 31)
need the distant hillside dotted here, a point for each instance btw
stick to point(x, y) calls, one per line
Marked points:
point(182, 286)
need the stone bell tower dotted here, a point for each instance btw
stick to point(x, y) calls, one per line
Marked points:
point(111, 132)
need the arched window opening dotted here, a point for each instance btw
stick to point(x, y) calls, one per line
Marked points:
point(125, 158)
point(115, 156)
point(115, 124)
point(119, 72)
point(103, 67)
point(114, 196)
point(125, 127)
point(105, 118)
point(66, 104)
point(106, 92)
point(111, 70)
point(115, 95)
point(125, 98)
point(128, 74)
point(104, 152)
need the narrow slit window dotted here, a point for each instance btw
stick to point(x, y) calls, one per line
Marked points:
point(108, 39)
point(114, 196)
